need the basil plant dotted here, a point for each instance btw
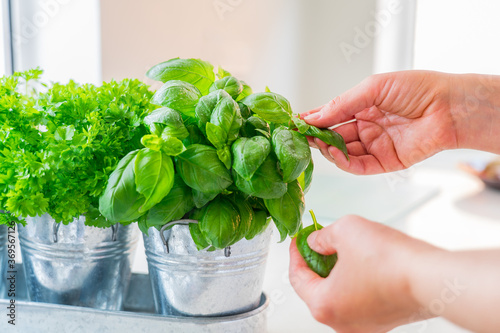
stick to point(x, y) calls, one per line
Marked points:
point(218, 153)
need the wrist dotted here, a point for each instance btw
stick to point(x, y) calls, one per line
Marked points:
point(422, 268)
point(475, 109)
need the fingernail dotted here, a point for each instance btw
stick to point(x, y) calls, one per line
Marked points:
point(314, 116)
point(331, 155)
point(311, 240)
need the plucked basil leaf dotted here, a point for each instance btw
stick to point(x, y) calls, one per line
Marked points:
point(260, 222)
point(301, 125)
point(319, 263)
point(120, 201)
point(249, 154)
point(269, 106)
point(219, 222)
point(154, 176)
point(178, 95)
point(288, 209)
point(166, 122)
point(195, 71)
point(255, 126)
point(329, 137)
point(230, 84)
point(173, 207)
point(201, 169)
point(266, 182)
point(293, 152)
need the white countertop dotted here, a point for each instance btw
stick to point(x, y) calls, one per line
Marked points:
point(434, 201)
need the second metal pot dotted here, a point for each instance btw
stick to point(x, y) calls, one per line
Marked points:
point(189, 282)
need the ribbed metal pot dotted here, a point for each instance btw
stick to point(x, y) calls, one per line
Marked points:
point(76, 264)
point(189, 282)
point(3, 261)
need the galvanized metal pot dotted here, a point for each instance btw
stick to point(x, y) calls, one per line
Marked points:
point(189, 282)
point(3, 261)
point(76, 264)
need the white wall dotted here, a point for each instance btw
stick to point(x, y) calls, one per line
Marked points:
point(293, 46)
point(60, 36)
point(458, 36)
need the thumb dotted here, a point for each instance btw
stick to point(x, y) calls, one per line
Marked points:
point(322, 241)
point(347, 105)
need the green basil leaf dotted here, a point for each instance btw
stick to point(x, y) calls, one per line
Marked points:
point(230, 84)
point(282, 230)
point(220, 222)
point(205, 107)
point(253, 126)
point(329, 137)
point(216, 135)
point(195, 136)
point(199, 240)
point(226, 114)
point(143, 225)
point(266, 182)
point(246, 216)
point(247, 91)
point(168, 122)
point(195, 71)
point(249, 154)
point(244, 110)
point(222, 73)
point(225, 156)
point(256, 203)
point(178, 95)
point(201, 169)
point(202, 198)
point(269, 106)
point(260, 222)
point(319, 263)
point(174, 206)
point(293, 152)
point(307, 177)
point(288, 209)
point(120, 201)
point(154, 176)
point(152, 141)
point(172, 146)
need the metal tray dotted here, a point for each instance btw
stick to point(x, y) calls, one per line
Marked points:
point(137, 316)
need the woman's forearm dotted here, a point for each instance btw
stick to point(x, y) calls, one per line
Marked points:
point(463, 287)
point(475, 108)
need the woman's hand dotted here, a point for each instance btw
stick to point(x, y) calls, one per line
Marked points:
point(404, 117)
point(368, 290)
